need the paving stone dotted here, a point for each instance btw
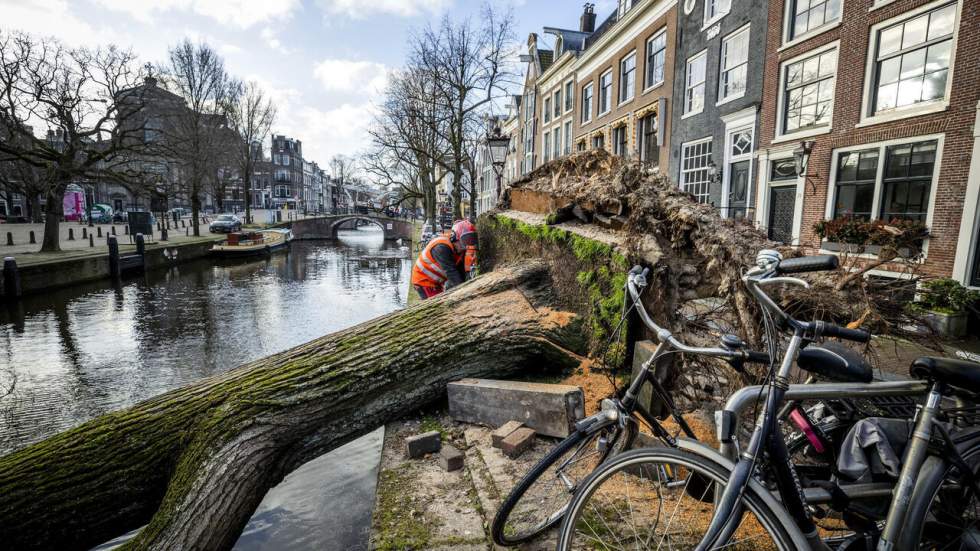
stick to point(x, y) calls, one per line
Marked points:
point(498, 435)
point(517, 441)
point(421, 444)
point(450, 459)
point(551, 410)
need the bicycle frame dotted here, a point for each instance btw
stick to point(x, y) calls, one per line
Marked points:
point(766, 438)
point(629, 405)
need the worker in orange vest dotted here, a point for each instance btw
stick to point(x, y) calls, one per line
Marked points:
point(447, 261)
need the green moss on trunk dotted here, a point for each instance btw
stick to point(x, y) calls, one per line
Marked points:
point(589, 275)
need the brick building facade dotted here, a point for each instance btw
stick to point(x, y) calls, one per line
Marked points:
point(884, 94)
point(877, 98)
point(625, 79)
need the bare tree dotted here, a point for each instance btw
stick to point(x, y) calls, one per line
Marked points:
point(197, 132)
point(343, 167)
point(252, 116)
point(408, 137)
point(467, 65)
point(27, 180)
point(90, 100)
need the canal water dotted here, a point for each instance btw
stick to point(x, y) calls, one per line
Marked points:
point(81, 352)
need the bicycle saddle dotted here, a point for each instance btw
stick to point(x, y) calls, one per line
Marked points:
point(835, 362)
point(960, 374)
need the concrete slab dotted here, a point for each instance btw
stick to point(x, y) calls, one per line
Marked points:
point(548, 409)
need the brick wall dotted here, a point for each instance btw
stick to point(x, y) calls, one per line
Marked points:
point(956, 122)
point(642, 100)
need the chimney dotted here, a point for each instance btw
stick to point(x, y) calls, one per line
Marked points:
point(587, 23)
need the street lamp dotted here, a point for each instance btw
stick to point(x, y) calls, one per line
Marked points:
point(498, 144)
point(801, 155)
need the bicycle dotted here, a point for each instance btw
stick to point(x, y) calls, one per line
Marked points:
point(705, 499)
point(530, 510)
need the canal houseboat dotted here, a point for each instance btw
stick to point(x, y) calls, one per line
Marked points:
point(249, 243)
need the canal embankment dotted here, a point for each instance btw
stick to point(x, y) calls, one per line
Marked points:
point(41, 272)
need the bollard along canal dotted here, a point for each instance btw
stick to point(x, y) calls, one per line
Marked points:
point(87, 350)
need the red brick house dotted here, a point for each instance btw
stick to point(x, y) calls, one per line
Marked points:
point(884, 95)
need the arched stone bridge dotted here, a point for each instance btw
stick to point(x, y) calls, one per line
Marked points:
point(326, 227)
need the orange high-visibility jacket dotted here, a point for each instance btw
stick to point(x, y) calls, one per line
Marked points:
point(429, 272)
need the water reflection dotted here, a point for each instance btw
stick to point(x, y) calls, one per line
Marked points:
point(85, 351)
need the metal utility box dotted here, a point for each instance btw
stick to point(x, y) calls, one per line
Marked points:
point(140, 222)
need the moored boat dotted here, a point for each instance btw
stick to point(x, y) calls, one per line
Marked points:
point(248, 243)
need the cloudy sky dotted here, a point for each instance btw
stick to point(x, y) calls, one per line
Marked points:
point(323, 61)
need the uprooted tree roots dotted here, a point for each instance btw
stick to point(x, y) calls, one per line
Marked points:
point(698, 253)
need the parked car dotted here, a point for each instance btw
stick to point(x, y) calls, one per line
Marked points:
point(225, 223)
point(101, 214)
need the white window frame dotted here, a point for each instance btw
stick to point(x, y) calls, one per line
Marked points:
point(763, 205)
point(625, 6)
point(788, 15)
point(569, 96)
point(568, 136)
point(556, 99)
point(680, 178)
point(625, 153)
point(735, 123)
point(587, 113)
point(556, 148)
point(622, 81)
point(876, 202)
point(780, 135)
point(647, 86)
point(711, 20)
point(914, 110)
point(546, 110)
point(703, 83)
point(612, 92)
point(546, 146)
point(746, 29)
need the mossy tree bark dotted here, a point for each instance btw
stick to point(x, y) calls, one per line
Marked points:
point(194, 463)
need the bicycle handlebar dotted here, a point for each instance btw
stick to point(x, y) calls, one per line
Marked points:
point(635, 280)
point(820, 263)
point(820, 328)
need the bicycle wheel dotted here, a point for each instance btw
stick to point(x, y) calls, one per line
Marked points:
point(538, 501)
point(944, 512)
point(661, 498)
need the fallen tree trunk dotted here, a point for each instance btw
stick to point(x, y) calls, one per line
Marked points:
point(194, 463)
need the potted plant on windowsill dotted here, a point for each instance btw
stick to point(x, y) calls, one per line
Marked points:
point(896, 237)
point(944, 305)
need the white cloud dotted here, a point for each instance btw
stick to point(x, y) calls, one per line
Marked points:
point(359, 9)
point(50, 18)
point(272, 41)
point(344, 75)
point(341, 130)
point(239, 13)
point(324, 132)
